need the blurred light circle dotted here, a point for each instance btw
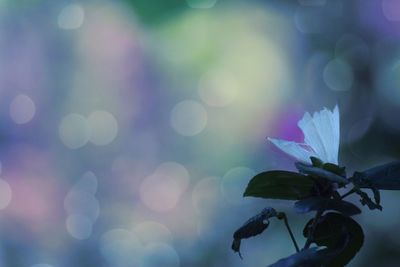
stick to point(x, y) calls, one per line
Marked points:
point(217, 88)
point(104, 127)
point(315, 64)
point(308, 20)
point(312, 2)
point(71, 17)
point(389, 82)
point(161, 191)
point(354, 49)
point(207, 230)
point(359, 129)
point(338, 75)
point(87, 183)
point(201, 3)
point(79, 226)
point(157, 255)
point(391, 9)
point(234, 183)
point(22, 109)
point(83, 203)
point(74, 131)
point(121, 248)
point(188, 118)
point(206, 194)
point(41, 265)
point(153, 232)
point(5, 194)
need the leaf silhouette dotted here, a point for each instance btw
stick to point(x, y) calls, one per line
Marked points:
point(279, 185)
point(321, 203)
point(252, 227)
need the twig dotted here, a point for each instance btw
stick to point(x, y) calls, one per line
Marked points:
point(352, 191)
point(366, 200)
point(282, 215)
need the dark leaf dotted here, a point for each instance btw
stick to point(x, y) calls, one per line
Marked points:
point(340, 234)
point(384, 177)
point(279, 185)
point(306, 258)
point(321, 203)
point(252, 227)
point(341, 171)
point(316, 162)
point(318, 172)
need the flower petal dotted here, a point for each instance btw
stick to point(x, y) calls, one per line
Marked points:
point(322, 133)
point(301, 152)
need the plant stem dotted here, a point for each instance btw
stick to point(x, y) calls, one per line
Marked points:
point(282, 215)
point(348, 193)
point(314, 225)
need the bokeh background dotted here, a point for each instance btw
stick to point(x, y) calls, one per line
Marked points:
point(129, 129)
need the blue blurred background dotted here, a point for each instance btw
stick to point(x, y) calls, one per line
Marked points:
point(129, 129)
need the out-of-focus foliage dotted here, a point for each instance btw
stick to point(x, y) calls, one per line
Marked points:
point(153, 11)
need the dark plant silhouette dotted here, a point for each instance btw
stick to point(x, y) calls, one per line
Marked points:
point(333, 237)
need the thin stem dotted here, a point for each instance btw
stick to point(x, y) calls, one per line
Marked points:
point(291, 233)
point(314, 225)
point(352, 191)
point(282, 215)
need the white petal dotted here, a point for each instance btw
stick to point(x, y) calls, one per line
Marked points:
point(321, 132)
point(311, 135)
point(301, 152)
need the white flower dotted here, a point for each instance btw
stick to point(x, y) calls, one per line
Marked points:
point(321, 137)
